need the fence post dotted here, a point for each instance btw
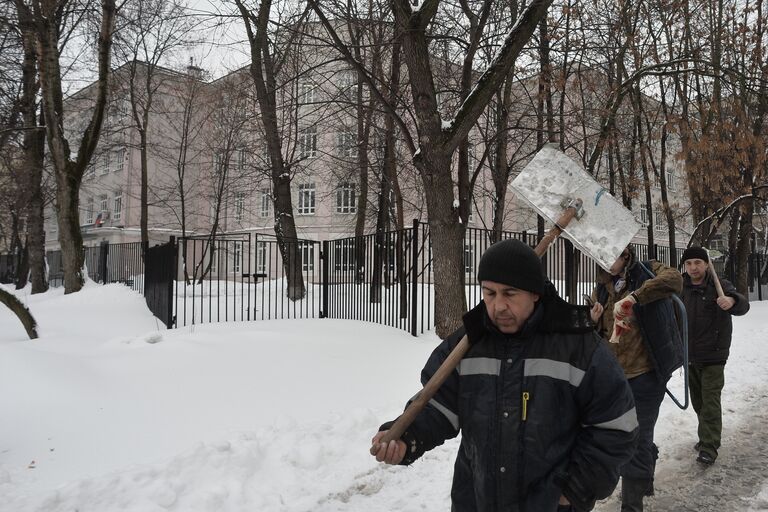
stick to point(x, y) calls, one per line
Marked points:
point(414, 276)
point(172, 279)
point(325, 272)
point(103, 267)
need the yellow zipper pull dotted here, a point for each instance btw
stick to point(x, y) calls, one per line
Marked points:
point(526, 396)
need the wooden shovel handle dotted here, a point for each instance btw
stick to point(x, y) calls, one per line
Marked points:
point(421, 400)
point(718, 286)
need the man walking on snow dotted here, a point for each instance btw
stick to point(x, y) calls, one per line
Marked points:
point(545, 413)
point(709, 341)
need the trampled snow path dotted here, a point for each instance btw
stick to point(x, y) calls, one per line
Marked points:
point(737, 482)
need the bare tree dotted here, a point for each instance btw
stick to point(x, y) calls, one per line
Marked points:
point(264, 71)
point(435, 141)
point(51, 19)
point(151, 31)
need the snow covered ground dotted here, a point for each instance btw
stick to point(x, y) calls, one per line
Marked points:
point(108, 411)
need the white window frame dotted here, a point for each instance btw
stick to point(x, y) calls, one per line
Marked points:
point(347, 83)
point(266, 203)
point(239, 206)
point(307, 255)
point(308, 142)
point(671, 179)
point(306, 202)
point(117, 203)
point(469, 259)
point(307, 92)
point(261, 257)
point(218, 162)
point(237, 256)
point(242, 160)
point(103, 204)
point(343, 255)
point(346, 198)
point(658, 219)
point(644, 215)
point(119, 160)
point(347, 143)
point(89, 211)
point(104, 164)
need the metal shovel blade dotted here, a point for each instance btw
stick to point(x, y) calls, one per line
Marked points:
point(552, 179)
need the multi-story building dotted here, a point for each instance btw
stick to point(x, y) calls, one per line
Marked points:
point(209, 170)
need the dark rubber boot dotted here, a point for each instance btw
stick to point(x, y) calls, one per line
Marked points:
point(632, 492)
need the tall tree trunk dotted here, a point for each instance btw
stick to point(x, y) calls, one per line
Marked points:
point(34, 154)
point(263, 74)
point(69, 173)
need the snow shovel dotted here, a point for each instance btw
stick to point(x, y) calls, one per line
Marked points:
point(718, 286)
point(559, 189)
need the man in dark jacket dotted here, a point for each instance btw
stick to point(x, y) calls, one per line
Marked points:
point(636, 295)
point(709, 341)
point(546, 415)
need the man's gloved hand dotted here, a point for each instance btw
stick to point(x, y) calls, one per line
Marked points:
point(474, 323)
point(579, 496)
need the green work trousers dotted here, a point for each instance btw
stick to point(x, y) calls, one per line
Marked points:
point(706, 383)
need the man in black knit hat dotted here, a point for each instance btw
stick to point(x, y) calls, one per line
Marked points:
point(709, 342)
point(545, 413)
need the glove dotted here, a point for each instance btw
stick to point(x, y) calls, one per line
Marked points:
point(622, 310)
point(577, 493)
point(622, 316)
point(474, 323)
point(413, 448)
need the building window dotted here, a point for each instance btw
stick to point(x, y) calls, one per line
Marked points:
point(308, 142)
point(261, 257)
point(347, 143)
point(658, 219)
point(307, 92)
point(239, 206)
point(242, 160)
point(105, 163)
point(119, 159)
point(307, 199)
point(469, 259)
point(671, 179)
point(89, 211)
point(643, 215)
point(117, 211)
point(266, 201)
point(103, 203)
point(214, 258)
point(344, 255)
point(345, 198)
point(218, 163)
point(237, 255)
point(307, 255)
point(347, 84)
point(90, 172)
point(212, 209)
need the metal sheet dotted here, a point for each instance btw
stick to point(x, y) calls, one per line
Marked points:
point(551, 179)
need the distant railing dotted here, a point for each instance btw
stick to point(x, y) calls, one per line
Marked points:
point(385, 277)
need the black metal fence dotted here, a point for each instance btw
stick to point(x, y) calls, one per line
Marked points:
point(385, 278)
point(246, 277)
point(158, 280)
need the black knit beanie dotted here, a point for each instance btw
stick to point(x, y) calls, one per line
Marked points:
point(695, 253)
point(513, 263)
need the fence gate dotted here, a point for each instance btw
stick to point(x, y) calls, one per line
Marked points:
point(160, 271)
